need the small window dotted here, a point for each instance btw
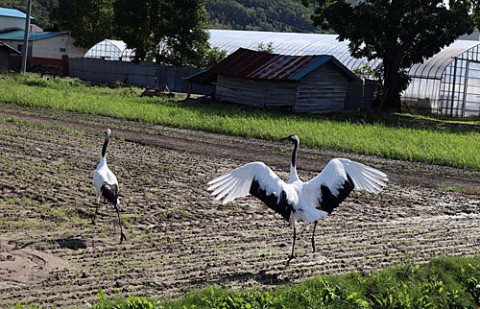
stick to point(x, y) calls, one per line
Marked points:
point(19, 47)
point(63, 50)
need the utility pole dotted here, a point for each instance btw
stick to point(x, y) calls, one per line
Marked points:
point(23, 69)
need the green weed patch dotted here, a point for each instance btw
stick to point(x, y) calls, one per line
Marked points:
point(442, 283)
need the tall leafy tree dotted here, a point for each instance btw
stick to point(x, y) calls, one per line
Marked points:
point(398, 32)
point(88, 21)
point(134, 22)
point(169, 31)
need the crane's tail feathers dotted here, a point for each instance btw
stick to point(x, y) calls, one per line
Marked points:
point(311, 214)
point(365, 177)
point(110, 193)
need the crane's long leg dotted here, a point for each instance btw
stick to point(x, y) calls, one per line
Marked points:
point(96, 208)
point(292, 256)
point(313, 236)
point(122, 235)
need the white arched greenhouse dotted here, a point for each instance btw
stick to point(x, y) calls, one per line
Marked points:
point(110, 50)
point(447, 83)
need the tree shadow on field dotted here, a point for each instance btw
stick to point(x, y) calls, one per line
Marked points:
point(71, 242)
point(261, 277)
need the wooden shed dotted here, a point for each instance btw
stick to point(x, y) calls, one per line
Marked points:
point(300, 84)
point(5, 52)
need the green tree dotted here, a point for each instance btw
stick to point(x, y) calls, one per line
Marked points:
point(265, 47)
point(187, 39)
point(398, 32)
point(134, 22)
point(170, 31)
point(212, 57)
point(88, 21)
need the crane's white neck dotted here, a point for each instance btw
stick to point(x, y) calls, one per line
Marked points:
point(293, 174)
point(103, 161)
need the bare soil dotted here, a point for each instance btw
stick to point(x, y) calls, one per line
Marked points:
point(179, 238)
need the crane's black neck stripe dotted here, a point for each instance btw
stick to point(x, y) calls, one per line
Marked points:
point(280, 206)
point(294, 153)
point(330, 201)
point(105, 144)
point(110, 193)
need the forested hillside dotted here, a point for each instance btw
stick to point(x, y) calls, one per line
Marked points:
point(264, 15)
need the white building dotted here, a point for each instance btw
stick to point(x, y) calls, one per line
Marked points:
point(12, 19)
point(51, 45)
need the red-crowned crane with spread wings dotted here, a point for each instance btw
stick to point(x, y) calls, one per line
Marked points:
point(297, 200)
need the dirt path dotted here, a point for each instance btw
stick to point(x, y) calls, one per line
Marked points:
point(178, 237)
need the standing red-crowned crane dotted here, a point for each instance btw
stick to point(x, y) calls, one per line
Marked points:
point(106, 184)
point(297, 200)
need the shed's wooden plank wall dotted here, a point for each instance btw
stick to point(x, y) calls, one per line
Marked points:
point(322, 90)
point(264, 94)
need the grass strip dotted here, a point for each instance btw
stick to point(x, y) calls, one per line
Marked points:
point(385, 135)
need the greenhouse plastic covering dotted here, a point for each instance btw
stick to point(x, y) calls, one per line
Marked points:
point(110, 50)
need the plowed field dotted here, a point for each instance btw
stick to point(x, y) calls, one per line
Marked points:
point(179, 238)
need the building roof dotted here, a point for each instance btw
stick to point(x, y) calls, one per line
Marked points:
point(13, 13)
point(257, 65)
point(434, 67)
point(9, 48)
point(303, 44)
point(288, 43)
point(17, 35)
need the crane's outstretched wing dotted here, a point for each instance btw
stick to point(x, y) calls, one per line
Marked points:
point(339, 177)
point(259, 180)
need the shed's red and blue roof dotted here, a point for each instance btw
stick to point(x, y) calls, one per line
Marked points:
point(246, 63)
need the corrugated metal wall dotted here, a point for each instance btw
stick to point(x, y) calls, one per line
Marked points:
point(143, 74)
